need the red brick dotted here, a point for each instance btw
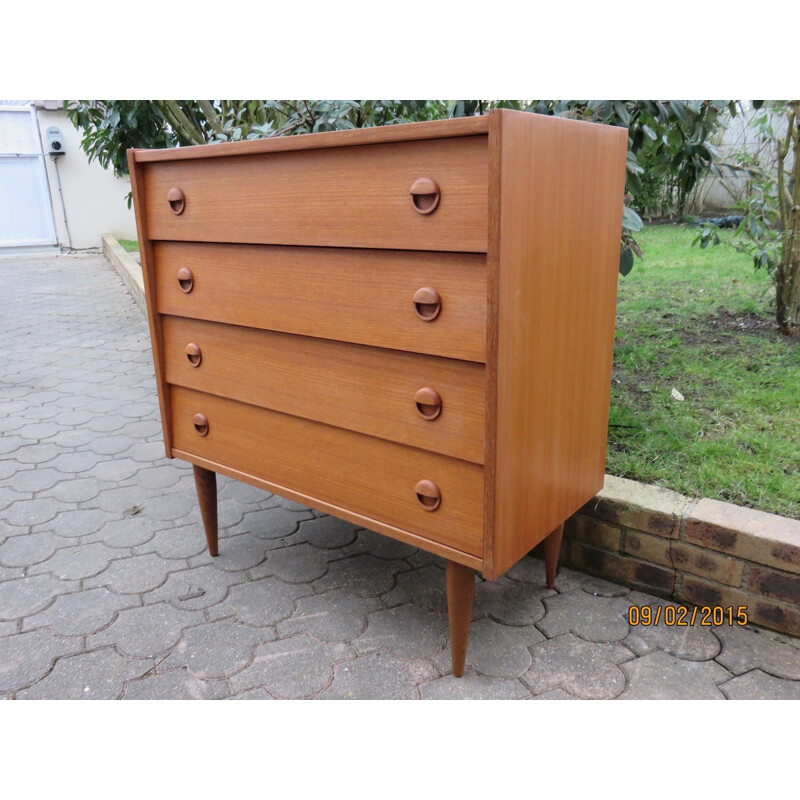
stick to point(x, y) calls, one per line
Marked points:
point(780, 585)
point(623, 569)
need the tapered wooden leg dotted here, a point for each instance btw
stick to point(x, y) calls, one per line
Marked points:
point(205, 482)
point(460, 593)
point(552, 547)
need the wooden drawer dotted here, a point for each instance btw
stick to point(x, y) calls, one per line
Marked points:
point(362, 296)
point(364, 389)
point(340, 197)
point(368, 476)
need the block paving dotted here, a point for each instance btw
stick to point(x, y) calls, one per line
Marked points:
point(107, 591)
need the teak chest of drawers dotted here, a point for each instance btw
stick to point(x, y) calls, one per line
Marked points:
point(408, 327)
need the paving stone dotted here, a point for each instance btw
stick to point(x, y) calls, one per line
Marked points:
point(121, 498)
point(81, 613)
point(76, 491)
point(692, 642)
point(292, 668)
point(328, 532)
point(495, 650)
point(74, 417)
point(135, 574)
point(146, 452)
point(380, 546)
point(217, 650)
point(237, 553)
point(555, 694)
point(424, 587)
point(29, 549)
point(9, 444)
point(38, 454)
point(27, 657)
point(25, 596)
point(33, 512)
point(196, 588)
point(74, 437)
point(510, 602)
point(242, 492)
point(80, 522)
point(660, 676)
point(262, 602)
point(405, 631)
point(334, 616)
point(159, 477)
point(99, 675)
point(364, 575)
point(253, 694)
point(9, 496)
point(112, 445)
point(531, 570)
point(182, 542)
point(147, 631)
point(76, 562)
point(584, 669)
point(177, 684)
point(300, 563)
point(378, 676)
point(171, 506)
point(597, 619)
point(471, 686)
point(37, 430)
point(272, 523)
point(113, 470)
point(106, 423)
point(290, 505)
point(127, 532)
point(757, 685)
point(744, 649)
point(75, 463)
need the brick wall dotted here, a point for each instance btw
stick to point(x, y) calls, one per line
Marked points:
point(698, 552)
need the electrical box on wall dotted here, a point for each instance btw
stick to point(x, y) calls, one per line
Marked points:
point(55, 141)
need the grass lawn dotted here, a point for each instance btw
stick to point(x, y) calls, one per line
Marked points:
point(129, 245)
point(702, 322)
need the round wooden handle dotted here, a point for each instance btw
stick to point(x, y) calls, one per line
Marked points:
point(193, 354)
point(185, 279)
point(429, 403)
point(425, 195)
point(176, 200)
point(428, 495)
point(427, 303)
point(201, 424)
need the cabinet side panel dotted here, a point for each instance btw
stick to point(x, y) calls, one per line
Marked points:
point(561, 199)
point(148, 272)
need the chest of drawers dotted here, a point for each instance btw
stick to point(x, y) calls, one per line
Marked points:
point(408, 327)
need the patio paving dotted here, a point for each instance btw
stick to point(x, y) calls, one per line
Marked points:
point(106, 590)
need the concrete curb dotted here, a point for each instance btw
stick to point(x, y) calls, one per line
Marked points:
point(126, 266)
point(700, 552)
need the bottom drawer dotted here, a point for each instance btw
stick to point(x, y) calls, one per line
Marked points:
point(365, 475)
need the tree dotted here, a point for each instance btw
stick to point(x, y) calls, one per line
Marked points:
point(673, 136)
point(769, 231)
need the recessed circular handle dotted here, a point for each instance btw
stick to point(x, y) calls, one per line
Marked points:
point(193, 354)
point(429, 403)
point(200, 422)
point(176, 200)
point(427, 303)
point(428, 495)
point(185, 279)
point(425, 195)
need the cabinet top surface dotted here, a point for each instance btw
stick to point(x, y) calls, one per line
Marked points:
point(467, 126)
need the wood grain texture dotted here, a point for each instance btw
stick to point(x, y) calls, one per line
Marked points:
point(149, 275)
point(337, 511)
point(362, 296)
point(205, 482)
point(413, 131)
point(460, 597)
point(348, 197)
point(369, 476)
point(364, 389)
point(556, 252)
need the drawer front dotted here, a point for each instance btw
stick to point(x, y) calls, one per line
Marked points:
point(341, 197)
point(368, 476)
point(362, 296)
point(364, 389)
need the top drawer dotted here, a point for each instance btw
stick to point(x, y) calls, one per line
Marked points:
point(340, 197)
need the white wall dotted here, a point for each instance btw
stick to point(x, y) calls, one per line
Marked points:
point(92, 198)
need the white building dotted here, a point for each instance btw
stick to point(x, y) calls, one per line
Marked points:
point(54, 202)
